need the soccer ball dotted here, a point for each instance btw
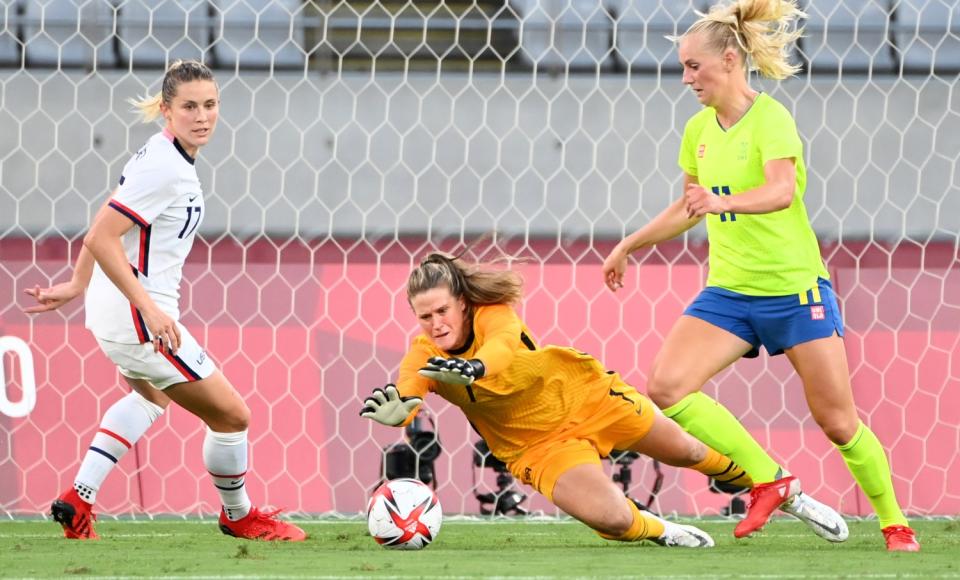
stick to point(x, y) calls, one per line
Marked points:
point(404, 514)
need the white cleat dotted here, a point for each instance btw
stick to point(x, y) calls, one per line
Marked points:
point(823, 520)
point(680, 536)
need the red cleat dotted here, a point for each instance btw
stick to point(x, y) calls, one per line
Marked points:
point(75, 515)
point(900, 539)
point(765, 498)
point(258, 525)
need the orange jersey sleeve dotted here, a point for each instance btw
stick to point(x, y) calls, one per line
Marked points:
point(409, 382)
point(527, 393)
point(500, 329)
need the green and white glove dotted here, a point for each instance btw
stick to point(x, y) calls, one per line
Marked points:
point(387, 407)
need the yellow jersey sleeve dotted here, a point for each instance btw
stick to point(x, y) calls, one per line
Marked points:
point(409, 382)
point(498, 329)
point(528, 391)
point(690, 145)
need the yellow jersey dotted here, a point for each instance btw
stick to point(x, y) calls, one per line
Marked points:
point(526, 393)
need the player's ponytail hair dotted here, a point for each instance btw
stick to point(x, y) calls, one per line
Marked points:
point(181, 71)
point(478, 284)
point(761, 31)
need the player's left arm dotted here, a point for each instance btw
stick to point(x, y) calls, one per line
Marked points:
point(781, 150)
point(776, 193)
point(501, 328)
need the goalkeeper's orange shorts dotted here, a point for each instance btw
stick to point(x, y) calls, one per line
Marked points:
point(616, 417)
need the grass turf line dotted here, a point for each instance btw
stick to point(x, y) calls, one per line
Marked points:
point(185, 549)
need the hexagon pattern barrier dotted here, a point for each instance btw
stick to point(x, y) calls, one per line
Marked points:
point(356, 136)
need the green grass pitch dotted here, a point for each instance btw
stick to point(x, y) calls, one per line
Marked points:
point(190, 549)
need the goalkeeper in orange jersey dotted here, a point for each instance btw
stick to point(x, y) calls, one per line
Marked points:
point(550, 413)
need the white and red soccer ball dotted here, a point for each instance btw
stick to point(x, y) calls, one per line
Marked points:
point(404, 514)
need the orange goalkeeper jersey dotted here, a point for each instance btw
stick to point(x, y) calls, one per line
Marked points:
point(527, 392)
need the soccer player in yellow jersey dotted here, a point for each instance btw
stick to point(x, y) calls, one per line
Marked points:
point(549, 412)
point(744, 174)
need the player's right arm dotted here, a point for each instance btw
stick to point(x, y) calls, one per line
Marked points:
point(59, 294)
point(105, 245)
point(670, 223)
point(397, 405)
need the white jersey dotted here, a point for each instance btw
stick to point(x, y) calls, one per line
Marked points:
point(160, 193)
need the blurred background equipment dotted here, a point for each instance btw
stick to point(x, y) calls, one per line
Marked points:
point(414, 456)
point(737, 506)
point(623, 475)
point(506, 499)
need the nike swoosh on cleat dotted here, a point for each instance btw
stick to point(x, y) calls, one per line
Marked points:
point(835, 530)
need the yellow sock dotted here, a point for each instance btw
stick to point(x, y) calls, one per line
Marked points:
point(723, 470)
point(867, 462)
point(643, 527)
point(712, 423)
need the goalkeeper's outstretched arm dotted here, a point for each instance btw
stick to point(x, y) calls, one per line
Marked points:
point(387, 407)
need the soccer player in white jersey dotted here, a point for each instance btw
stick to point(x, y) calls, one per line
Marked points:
point(131, 266)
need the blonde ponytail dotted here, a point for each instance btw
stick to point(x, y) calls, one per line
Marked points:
point(760, 30)
point(181, 71)
point(148, 107)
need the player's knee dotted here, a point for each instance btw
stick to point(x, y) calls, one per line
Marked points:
point(839, 433)
point(666, 387)
point(839, 430)
point(233, 420)
point(240, 419)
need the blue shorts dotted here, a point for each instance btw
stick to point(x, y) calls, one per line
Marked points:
point(776, 322)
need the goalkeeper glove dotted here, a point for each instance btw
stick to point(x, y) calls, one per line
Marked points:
point(386, 406)
point(454, 371)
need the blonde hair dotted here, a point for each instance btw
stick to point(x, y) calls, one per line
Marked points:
point(477, 284)
point(759, 30)
point(181, 71)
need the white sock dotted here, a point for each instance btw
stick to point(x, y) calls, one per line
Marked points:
point(225, 457)
point(121, 427)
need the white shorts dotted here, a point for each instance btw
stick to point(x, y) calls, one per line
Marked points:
point(161, 369)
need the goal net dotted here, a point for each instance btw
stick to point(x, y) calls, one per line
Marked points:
point(355, 137)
